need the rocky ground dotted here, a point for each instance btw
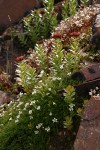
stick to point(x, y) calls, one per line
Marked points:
point(9, 55)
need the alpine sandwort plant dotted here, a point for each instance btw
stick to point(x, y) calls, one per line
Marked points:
point(40, 109)
point(39, 24)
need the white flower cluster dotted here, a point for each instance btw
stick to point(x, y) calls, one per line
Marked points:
point(71, 107)
point(54, 120)
point(18, 116)
point(41, 74)
point(47, 129)
point(94, 92)
point(36, 132)
point(39, 126)
point(19, 104)
point(56, 78)
point(30, 112)
point(34, 91)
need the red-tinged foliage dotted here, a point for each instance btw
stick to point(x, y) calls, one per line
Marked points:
point(56, 35)
point(39, 42)
point(74, 34)
point(18, 59)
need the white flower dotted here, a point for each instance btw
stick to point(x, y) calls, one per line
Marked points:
point(2, 106)
point(85, 63)
point(47, 93)
point(26, 104)
point(49, 89)
point(24, 108)
point(32, 102)
point(31, 117)
point(38, 107)
point(10, 118)
point(46, 1)
point(20, 103)
point(11, 102)
point(50, 114)
point(40, 81)
point(47, 129)
point(21, 94)
point(58, 78)
point(28, 78)
point(54, 103)
point(91, 57)
point(20, 112)
point(56, 55)
point(54, 120)
point(39, 125)
point(30, 112)
point(94, 91)
point(40, 15)
point(90, 93)
point(1, 124)
point(61, 66)
point(10, 114)
point(54, 79)
point(71, 107)
point(36, 132)
point(16, 121)
point(69, 73)
point(18, 79)
point(18, 117)
point(41, 73)
point(34, 92)
point(18, 71)
point(97, 88)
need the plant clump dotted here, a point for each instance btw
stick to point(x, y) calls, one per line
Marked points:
point(40, 109)
point(47, 102)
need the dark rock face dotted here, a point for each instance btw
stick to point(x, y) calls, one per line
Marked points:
point(91, 2)
point(13, 11)
point(95, 39)
point(88, 137)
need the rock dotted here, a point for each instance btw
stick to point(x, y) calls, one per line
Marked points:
point(82, 90)
point(91, 2)
point(88, 137)
point(12, 11)
point(95, 39)
point(91, 72)
point(5, 97)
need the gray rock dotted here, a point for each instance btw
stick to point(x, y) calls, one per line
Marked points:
point(5, 97)
point(95, 39)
